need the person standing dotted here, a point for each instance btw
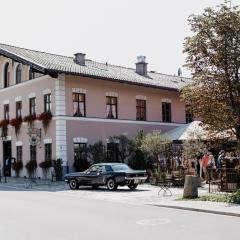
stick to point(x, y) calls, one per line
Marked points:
point(221, 156)
point(205, 160)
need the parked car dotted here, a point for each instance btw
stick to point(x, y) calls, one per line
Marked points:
point(111, 175)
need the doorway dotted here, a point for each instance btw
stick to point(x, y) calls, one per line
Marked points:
point(7, 158)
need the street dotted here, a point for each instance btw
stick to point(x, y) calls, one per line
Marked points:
point(61, 215)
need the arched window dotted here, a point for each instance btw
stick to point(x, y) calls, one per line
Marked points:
point(19, 74)
point(6, 76)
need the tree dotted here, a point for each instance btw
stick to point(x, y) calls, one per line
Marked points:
point(193, 147)
point(154, 144)
point(138, 158)
point(213, 56)
point(97, 152)
point(125, 146)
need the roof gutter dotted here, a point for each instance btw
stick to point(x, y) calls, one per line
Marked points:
point(113, 80)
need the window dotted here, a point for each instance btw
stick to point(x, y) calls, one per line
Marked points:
point(6, 79)
point(97, 168)
point(47, 102)
point(48, 151)
point(189, 116)
point(112, 152)
point(19, 74)
point(79, 105)
point(19, 153)
point(79, 151)
point(32, 106)
point(34, 74)
point(141, 110)
point(166, 112)
point(6, 111)
point(112, 107)
point(18, 109)
point(33, 153)
point(31, 74)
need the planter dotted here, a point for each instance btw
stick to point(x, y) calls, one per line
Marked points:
point(17, 166)
point(45, 117)
point(29, 119)
point(4, 126)
point(31, 167)
point(45, 165)
point(16, 123)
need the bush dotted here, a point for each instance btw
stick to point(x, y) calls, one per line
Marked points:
point(81, 164)
point(235, 197)
point(97, 152)
point(17, 166)
point(45, 165)
point(57, 165)
point(138, 161)
point(31, 167)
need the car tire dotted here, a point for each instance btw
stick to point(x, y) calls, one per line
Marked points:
point(73, 184)
point(111, 184)
point(132, 186)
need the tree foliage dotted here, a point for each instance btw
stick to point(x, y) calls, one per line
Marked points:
point(125, 146)
point(154, 144)
point(97, 152)
point(138, 159)
point(213, 56)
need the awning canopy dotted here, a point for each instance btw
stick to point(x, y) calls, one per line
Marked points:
point(194, 131)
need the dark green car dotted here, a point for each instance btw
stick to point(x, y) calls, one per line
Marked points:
point(111, 175)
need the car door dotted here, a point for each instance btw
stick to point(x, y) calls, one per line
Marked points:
point(92, 174)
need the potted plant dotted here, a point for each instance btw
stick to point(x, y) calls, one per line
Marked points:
point(16, 123)
point(45, 117)
point(45, 165)
point(4, 125)
point(29, 119)
point(57, 165)
point(31, 167)
point(17, 166)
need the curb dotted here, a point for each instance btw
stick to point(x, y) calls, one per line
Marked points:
point(197, 210)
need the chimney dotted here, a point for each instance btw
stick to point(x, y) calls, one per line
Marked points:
point(179, 72)
point(141, 65)
point(79, 58)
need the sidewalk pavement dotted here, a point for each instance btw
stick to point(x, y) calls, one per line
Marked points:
point(144, 195)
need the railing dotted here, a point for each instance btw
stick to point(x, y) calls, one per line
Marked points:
point(223, 179)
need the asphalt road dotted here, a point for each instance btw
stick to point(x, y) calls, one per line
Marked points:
point(28, 215)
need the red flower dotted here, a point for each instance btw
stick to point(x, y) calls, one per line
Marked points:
point(15, 122)
point(45, 116)
point(4, 123)
point(29, 118)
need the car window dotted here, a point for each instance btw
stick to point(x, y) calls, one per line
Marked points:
point(108, 168)
point(120, 167)
point(97, 168)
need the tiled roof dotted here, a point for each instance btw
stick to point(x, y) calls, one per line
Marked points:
point(47, 63)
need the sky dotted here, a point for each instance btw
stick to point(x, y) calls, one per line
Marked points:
point(113, 31)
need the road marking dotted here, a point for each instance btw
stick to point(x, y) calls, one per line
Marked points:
point(153, 221)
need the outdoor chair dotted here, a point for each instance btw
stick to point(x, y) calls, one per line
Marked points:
point(165, 182)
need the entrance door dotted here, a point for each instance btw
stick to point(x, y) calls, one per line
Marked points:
point(7, 158)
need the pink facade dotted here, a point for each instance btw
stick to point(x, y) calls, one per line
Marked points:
point(65, 129)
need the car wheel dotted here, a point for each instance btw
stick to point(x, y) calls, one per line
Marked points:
point(73, 184)
point(111, 184)
point(132, 186)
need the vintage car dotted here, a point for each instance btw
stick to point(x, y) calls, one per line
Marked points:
point(110, 174)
